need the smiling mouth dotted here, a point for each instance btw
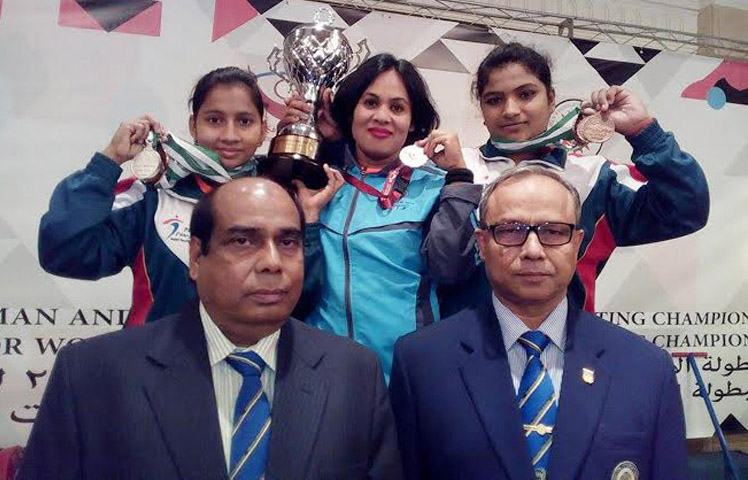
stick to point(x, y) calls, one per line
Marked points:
point(228, 152)
point(379, 133)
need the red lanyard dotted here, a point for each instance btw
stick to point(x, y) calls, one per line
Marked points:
point(205, 187)
point(394, 187)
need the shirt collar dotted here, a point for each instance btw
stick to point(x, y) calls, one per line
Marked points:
point(219, 347)
point(512, 327)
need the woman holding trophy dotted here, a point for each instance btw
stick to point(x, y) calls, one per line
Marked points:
point(96, 226)
point(663, 196)
point(393, 232)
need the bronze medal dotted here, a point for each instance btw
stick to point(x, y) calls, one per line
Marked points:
point(594, 129)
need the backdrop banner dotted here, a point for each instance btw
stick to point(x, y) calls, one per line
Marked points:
point(72, 70)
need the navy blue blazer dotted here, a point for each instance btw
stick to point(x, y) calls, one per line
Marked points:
point(140, 404)
point(457, 416)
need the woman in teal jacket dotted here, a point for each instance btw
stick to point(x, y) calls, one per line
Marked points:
point(392, 233)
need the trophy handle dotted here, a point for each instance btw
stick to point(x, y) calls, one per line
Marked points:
point(274, 60)
point(361, 57)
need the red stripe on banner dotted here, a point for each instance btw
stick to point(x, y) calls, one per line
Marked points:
point(124, 185)
point(73, 15)
point(276, 109)
point(598, 250)
point(142, 298)
point(230, 15)
point(147, 22)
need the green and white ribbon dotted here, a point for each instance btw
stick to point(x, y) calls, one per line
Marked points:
point(185, 158)
point(562, 130)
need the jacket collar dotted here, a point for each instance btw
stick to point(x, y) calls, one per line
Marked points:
point(179, 386)
point(554, 156)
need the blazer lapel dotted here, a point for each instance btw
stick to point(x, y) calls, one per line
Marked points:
point(581, 400)
point(486, 374)
point(298, 404)
point(181, 394)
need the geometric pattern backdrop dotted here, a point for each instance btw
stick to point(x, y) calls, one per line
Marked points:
point(98, 63)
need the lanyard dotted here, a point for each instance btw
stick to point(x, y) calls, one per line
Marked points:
point(205, 187)
point(394, 187)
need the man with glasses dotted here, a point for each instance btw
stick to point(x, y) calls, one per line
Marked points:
point(526, 385)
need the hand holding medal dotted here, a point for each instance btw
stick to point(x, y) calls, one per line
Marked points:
point(608, 110)
point(130, 142)
point(440, 147)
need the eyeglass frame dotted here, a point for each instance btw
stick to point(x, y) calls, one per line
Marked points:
point(528, 229)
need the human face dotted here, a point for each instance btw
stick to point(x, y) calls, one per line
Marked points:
point(381, 120)
point(530, 277)
point(515, 104)
point(229, 123)
point(252, 275)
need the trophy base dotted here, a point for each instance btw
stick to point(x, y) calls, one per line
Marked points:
point(287, 167)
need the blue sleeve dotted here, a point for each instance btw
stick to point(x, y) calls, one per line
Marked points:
point(674, 201)
point(53, 445)
point(669, 454)
point(81, 236)
point(449, 240)
point(403, 408)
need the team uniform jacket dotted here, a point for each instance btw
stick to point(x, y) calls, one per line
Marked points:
point(664, 195)
point(381, 267)
point(96, 226)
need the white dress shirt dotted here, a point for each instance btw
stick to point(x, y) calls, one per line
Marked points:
point(227, 381)
point(554, 326)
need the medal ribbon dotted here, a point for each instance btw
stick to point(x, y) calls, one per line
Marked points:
point(555, 135)
point(394, 186)
point(184, 158)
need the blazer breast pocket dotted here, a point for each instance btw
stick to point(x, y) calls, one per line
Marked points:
point(613, 448)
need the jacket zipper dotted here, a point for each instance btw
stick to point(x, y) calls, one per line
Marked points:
point(347, 260)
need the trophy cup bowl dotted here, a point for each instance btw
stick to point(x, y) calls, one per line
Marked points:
point(314, 56)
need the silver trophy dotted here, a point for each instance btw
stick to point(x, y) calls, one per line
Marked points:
point(314, 56)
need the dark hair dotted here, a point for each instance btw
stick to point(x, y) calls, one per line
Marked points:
point(202, 221)
point(226, 76)
point(503, 55)
point(424, 116)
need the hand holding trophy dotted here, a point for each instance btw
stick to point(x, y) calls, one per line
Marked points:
point(314, 56)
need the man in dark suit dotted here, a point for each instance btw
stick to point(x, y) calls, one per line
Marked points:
point(229, 388)
point(477, 395)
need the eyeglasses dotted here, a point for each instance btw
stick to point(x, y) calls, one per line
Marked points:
point(514, 234)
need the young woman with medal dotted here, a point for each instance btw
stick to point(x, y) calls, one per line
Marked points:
point(96, 226)
point(393, 231)
point(664, 194)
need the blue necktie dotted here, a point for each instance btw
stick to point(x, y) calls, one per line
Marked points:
point(251, 433)
point(537, 402)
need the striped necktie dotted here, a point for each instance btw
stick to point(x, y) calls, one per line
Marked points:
point(538, 402)
point(251, 433)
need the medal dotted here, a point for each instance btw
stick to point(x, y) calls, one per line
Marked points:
point(594, 129)
point(148, 165)
point(412, 156)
